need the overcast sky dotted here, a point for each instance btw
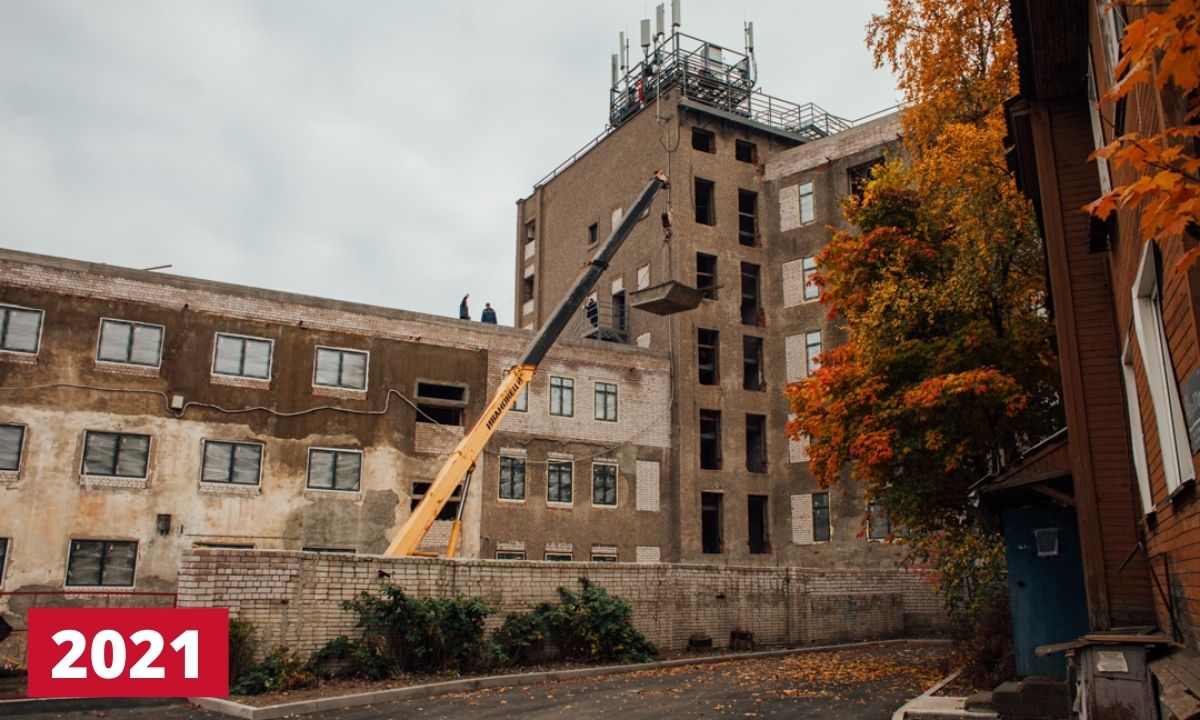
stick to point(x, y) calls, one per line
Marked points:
point(368, 150)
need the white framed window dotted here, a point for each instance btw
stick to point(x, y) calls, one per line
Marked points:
point(521, 404)
point(509, 555)
point(242, 356)
point(808, 267)
point(1137, 439)
point(341, 368)
point(807, 210)
point(562, 396)
point(101, 563)
point(232, 463)
point(12, 444)
point(1160, 375)
point(559, 557)
point(334, 469)
point(20, 329)
point(112, 454)
point(1097, 125)
point(130, 343)
point(512, 478)
point(604, 484)
point(606, 402)
point(812, 349)
point(604, 557)
point(559, 483)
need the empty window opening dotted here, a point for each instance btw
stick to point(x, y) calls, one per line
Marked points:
point(747, 217)
point(562, 396)
point(860, 175)
point(512, 478)
point(753, 377)
point(711, 540)
point(334, 469)
point(812, 351)
point(231, 463)
point(820, 516)
point(527, 288)
point(706, 213)
point(710, 439)
point(620, 314)
point(101, 563)
point(12, 438)
point(20, 329)
point(604, 484)
point(558, 482)
point(745, 151)
point(449, 511)
point(131, 343)
point(706, 275)
point(708, 352)
point(756, 443)
point(704, 140)
point(115, 454)
point(593, 233)
point(242, 356)
point(530, 231)
point(752, 313)
point(758, 522)
point(879, 524)
point(441, 404)
point(807, 212)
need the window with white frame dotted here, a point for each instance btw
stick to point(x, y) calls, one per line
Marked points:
point(1137, 439)
point(102, 563)
point(558, 482)
point(562, 396)
point(605, 557)
point(809, 267)
point(812, 349)
point(130, 343)
point(20, 329)
point(232, 463)
point(606, 401)
point(334, 469)
point(1160, 374)
point(521, 404)
point(340, 368)
point(512, 478)
point(12, 441)
point(115, 454)
point(559, 557)
point(807, 213)
point(604, 484)
point(241, 356)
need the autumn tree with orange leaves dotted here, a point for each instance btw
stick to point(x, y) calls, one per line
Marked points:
point(1160, 53)
point(950, 364)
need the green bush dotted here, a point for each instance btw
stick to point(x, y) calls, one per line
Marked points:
point(522, 637)
point(242, 646)
point(279, 671)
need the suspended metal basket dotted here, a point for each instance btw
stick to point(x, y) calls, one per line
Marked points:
point(667, 298)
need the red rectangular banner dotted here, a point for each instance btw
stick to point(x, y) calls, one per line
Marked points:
point(128, 652)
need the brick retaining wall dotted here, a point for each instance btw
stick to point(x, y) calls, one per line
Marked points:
point(294, 598)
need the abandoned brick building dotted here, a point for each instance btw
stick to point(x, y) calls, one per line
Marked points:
point(756, 182)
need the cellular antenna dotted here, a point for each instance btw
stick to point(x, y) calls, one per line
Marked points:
point(614, 71)
point(750, 37)
point(659, 15)
point(675, 13)
point(646, 36)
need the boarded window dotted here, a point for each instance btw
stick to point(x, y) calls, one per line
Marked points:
point(242, 356)
point(706, 275)
point(606, 401)
point(757, 524)
point(558, 482)
point(131, 343)
point(752, 363)
point(708, 354)
point(751, 298)
point(710, 439)
point(334, 469)
point(233, 463)
point(341, 368)
point(101, 563)
point(115, 454)
point(604, 484)
point(711, 539)
point(706, 212)
point(756, 443)
point(512, 478)
point(562, 396)
point(747, 218)
point(12, 438)
point(20, 329)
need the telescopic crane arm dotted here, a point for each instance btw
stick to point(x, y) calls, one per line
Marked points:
point(462, 459)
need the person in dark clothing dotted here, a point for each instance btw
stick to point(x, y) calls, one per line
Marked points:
point(464, 313)
point(488, 315)
point(593, 312)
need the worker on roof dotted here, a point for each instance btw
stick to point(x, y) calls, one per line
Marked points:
point(488, 315)
point(464, 312)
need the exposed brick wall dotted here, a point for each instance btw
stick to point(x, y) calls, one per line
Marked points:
point(294, 598)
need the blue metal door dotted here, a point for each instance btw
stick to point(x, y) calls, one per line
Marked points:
point(1045, 582)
